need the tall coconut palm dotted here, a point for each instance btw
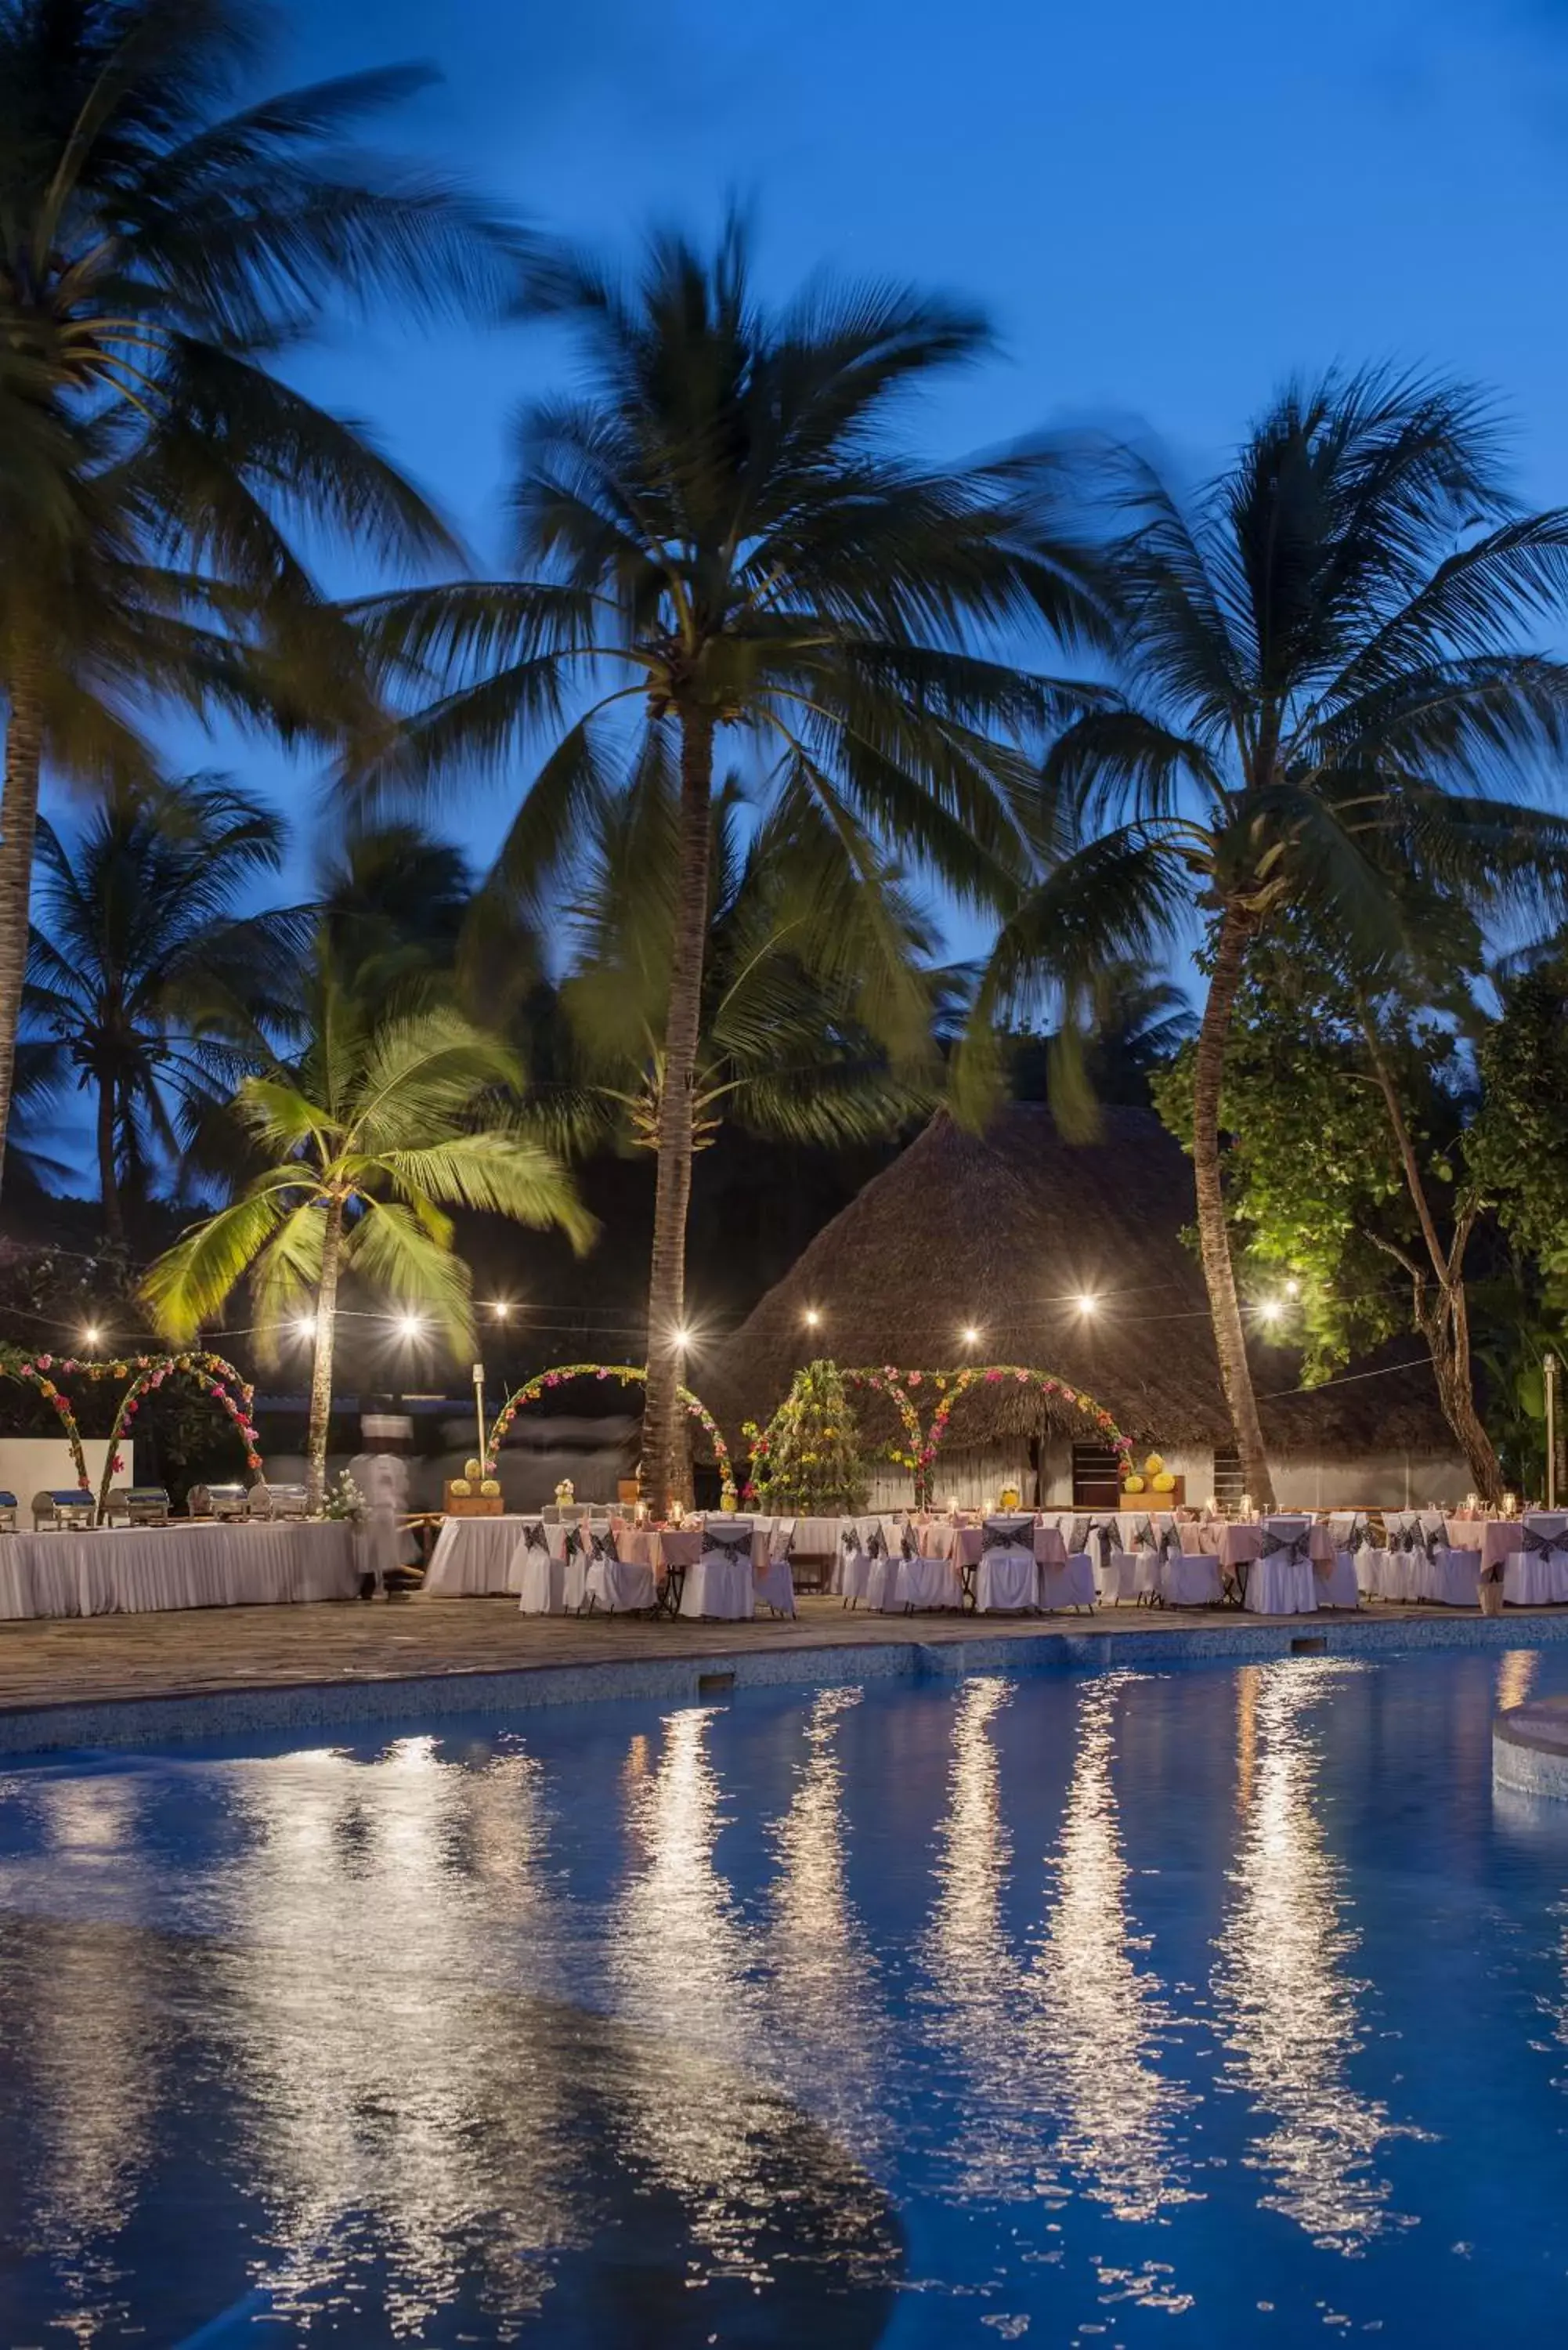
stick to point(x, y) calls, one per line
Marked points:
point(146, 988)
point(377, 1129)
point(160, 244)
point(1328, 702)
point(720, 537)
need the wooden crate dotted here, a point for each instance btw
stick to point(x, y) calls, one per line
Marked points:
point(1175, 1500)
point(472, 1506)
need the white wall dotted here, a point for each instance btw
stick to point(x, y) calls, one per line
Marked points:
point(43, 1464)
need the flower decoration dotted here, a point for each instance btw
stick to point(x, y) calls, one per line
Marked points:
point(630, 1375)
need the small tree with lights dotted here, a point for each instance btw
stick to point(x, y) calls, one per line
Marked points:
point(808, 1459)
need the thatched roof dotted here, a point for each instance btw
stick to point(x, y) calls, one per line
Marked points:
point(1004, 1232)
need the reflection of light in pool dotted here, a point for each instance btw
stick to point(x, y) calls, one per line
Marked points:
point(1101, 2011)
point(1287, 2006)
point(1061, 2053)
point(1515, 1675)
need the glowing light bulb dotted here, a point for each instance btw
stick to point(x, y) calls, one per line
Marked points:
point(812, 1317)
point(91, 1335)
point(1087, 1302)
point(1293, 1289)
point(500, 1309)
point(305, 1329)
point(1268, 1311)
point(969, 1335)
point(409, 1326)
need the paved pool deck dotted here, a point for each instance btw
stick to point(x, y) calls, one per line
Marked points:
point(137, 1680)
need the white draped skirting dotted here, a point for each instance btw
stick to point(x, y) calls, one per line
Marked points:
point(137, 1569)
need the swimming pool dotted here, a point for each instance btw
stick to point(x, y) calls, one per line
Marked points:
point(1205, 2006)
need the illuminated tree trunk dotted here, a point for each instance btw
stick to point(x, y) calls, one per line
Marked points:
point(665, 1470)
point(1214, 1233)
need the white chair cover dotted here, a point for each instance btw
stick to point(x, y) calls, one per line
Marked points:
point(852, 1562)
point(773, 1581)
point(928, 1583)
point(619, 1585)
point(721, 1584)
point(1282, 1583)
point(1007, 1580)
point(1339, 1587)
point(1536, 1575)
point(1393, 1572)
point(1189, 1578)
point(538, 1571)
point(1072, 1585)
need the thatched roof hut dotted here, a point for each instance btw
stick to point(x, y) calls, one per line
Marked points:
point(1005, 1233)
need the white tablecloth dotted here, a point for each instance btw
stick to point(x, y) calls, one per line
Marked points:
point(130, 1570)
point(475, 1555)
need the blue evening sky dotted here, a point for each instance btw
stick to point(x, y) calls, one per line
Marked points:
point(1167, 208)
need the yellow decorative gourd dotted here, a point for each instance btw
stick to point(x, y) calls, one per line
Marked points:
point(1153, 1465)
point(472, 1470)
point(490, 1487)
point(1165, 1482)
point(459, 1486)
point(1133, 1484)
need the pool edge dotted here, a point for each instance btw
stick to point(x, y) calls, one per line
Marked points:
point(173, 1718)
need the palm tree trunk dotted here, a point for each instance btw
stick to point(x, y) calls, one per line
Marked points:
point(664, 1469)
point(18, 823)
point(108, 1180)
point(1214, 1239)
point(321, 1363)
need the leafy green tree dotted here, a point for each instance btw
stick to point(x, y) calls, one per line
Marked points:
point(378, 1128)
point(1520, 1146)
point(1345, 1156)
point(162, 243)
point(145, 986)
point(1326, 700)
point(721, 537)
point(808, 1459)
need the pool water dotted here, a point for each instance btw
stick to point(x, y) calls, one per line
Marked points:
point(1202, 2007)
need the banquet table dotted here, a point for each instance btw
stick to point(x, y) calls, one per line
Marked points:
point(1528, 1580)
point(131, 1570)
point(475, 1555)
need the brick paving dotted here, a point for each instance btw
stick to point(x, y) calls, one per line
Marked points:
point(74, 1661)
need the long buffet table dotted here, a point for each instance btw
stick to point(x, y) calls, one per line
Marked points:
point(134, 1569)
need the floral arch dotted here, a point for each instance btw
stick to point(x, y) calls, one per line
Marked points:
point(34, 1372)
point(629, 1375)
point(921, 1449)
point(147, 1373)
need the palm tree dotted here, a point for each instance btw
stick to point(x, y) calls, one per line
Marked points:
point(158, 252)
point(719, 536)
point(144, 982)
point(1328, 701)
point(380, 1125)
point(809, 1032)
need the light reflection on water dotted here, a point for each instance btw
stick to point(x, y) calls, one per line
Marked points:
point(1287, 2003)
point(604, 2034)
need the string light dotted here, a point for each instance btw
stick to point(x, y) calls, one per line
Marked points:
point(1087, 1303)
point(680, 1338)
point(970, 1335)
point(500, 1309)
point(409, 1326)
point(305, 1329)
point(1293, 1289)
point(1269, 1310)
point(91, 1335)
point(812, 1317)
